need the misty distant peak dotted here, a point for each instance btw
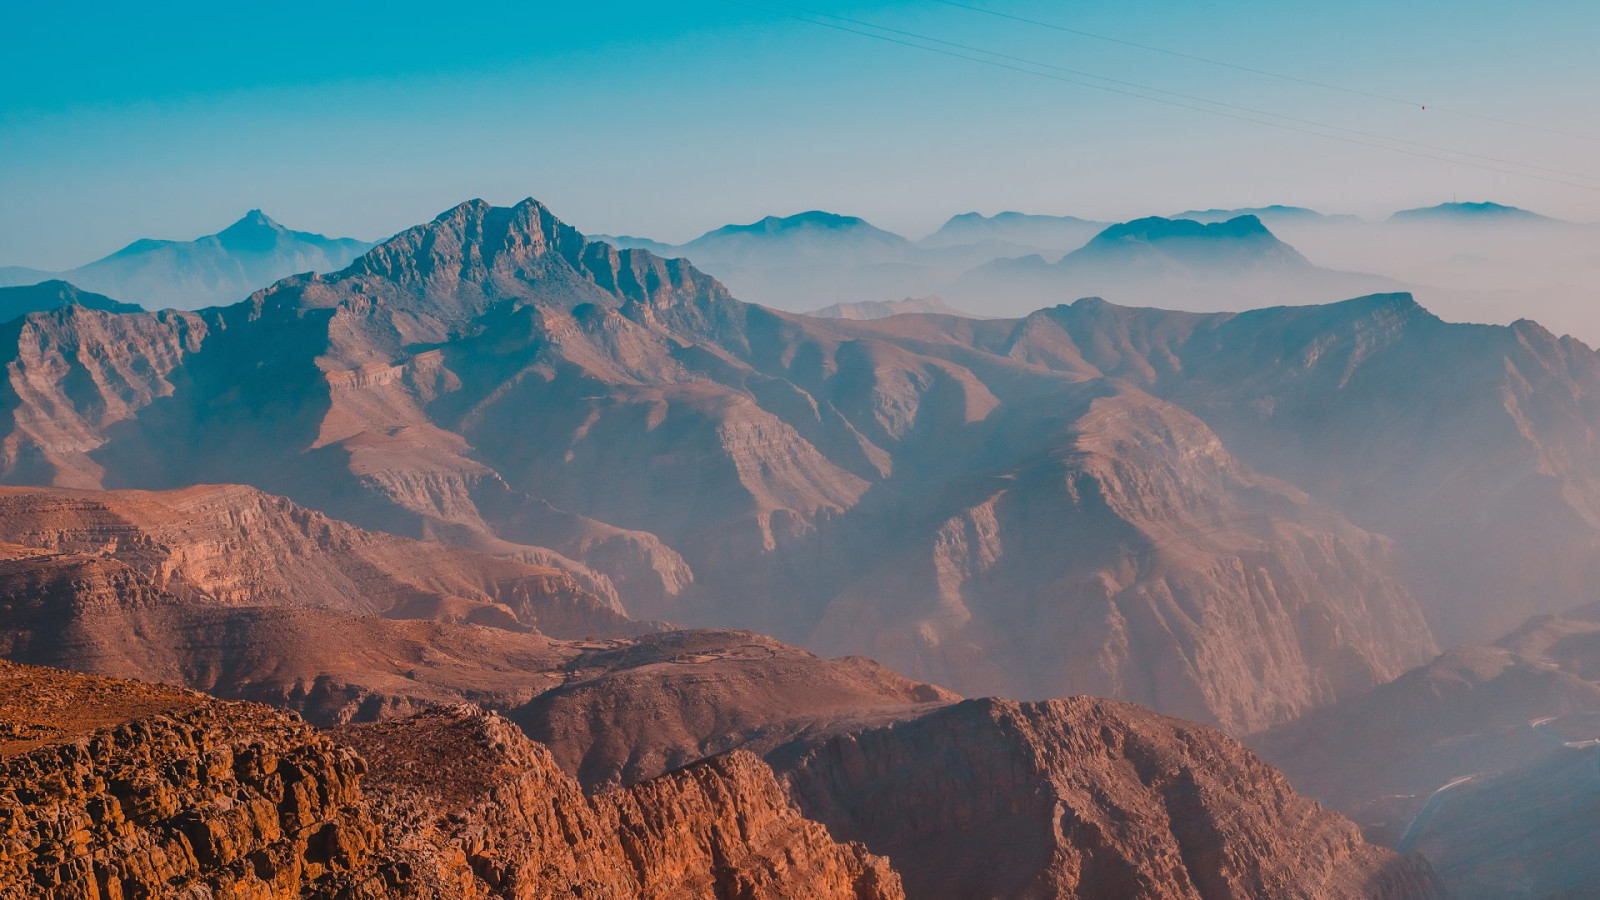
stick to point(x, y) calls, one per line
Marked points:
point(1156, 229)
point(1025, 230)
point(1469, 212)
point(813, 219)
point(1007, 217)
point(255, 232)
point(1276, 212)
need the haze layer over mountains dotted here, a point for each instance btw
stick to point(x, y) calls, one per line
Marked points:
point(630, 516)
point(1471, 262)
point(209, 271)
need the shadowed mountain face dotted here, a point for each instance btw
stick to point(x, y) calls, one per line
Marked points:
point(1222, 516)
point(49, 295)
point(1486, 760)
point(976, 504)
point(216, 269)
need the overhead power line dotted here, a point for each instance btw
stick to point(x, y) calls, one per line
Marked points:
point(1210, 61)
point(1199, 99)
point(1129, 89)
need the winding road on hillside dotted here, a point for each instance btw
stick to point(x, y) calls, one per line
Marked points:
point(1424, 816)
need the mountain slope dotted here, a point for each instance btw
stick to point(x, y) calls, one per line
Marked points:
point(1469, 213)
point(220, 268)
point(1483, 760)
point(1085, 798)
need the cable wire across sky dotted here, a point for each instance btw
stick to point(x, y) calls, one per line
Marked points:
point(1054, 72)
point(1414, 104)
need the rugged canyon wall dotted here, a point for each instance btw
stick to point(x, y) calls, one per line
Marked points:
point(1086, 798)
point(120, 789)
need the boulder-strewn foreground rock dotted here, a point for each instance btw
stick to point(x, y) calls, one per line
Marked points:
point(114, 789)
point(478, 808)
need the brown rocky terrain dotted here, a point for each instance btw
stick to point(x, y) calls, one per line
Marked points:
point(488, 813)
point(1085, 798)
point(230, 545)
point(1079, 797)
point(249, 597)
point(640, 708)
point(1000, 506)
point(119, 789)
point(115, 788)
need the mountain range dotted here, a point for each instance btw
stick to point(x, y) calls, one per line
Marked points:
point(1181, 263)
point(1473, 262)
point(217, 269)
point(884, 487)
point(494, 482)
point(856, 487)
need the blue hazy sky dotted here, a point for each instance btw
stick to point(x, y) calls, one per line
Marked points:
point(170, 120)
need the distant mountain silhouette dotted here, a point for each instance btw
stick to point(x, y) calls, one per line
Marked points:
point(216, 269)
point(1270, 215)
point(48, 295)
point(1030, 233)
point(1471, 212)
point(1164, 262)
point(882, 309)
point(804, 261)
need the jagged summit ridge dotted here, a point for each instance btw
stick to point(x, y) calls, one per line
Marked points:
point(434, 280)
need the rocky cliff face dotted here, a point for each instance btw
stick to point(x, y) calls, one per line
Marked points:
point(229, 545)
point(1085, 798)
point(487, 812)
point(115, 789)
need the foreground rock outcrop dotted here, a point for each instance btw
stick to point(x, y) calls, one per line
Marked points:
point(483, 811)
point(113, 789)
point(116, 789)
